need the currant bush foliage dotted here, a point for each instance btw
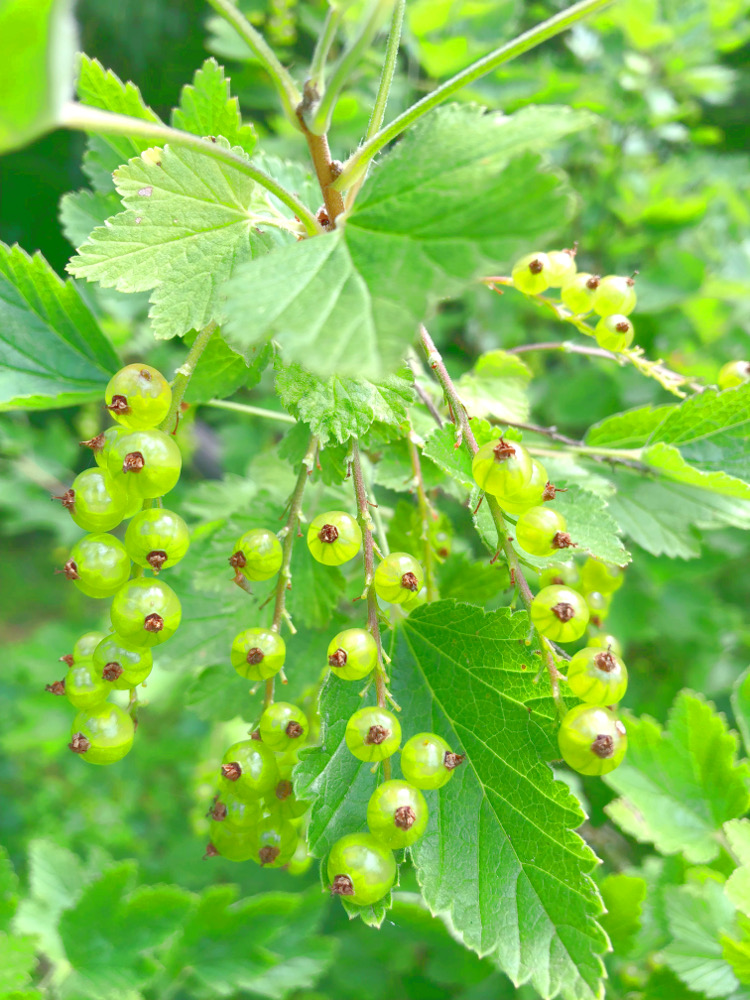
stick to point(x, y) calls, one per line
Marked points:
point(303, 322)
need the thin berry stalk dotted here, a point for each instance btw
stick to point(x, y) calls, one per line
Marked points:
point(425, 516)
point(183, 375)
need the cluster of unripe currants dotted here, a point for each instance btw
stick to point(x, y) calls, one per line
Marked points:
point(136, 464)
point(612, 298)
point(560, 611)
point(734, 373)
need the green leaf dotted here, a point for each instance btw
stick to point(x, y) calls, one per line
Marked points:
point(82, 211)
point(221, 371)
point(350, 301)
point(37, 44)
point(339, 408)
point(698, 916)
point(19, 960)
point(737, 886)
point(8, 889)
point(207, 109)
point(623, 897)
point(679, 786)
point(737, 955)
point(450, 455)
point(100, 88)
point(499, 860)
point(52, 352)
point(741, 706)
point(189, 222)
point(316, 590)
point(590, 525)
point(703, 441)
point(496, 387)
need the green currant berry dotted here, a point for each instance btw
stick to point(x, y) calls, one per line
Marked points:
point(398, 577)
point(231, 842)
point(361, 868)
point(121, 663)
point(284, 801)
point(352, 654)
point(102, 734)
point(561, 267)
point(98, 565)
point(597, 676)
point(415, 600)
point(441, 538)
point(615, 295)
point(275, 841)
point(530, 495)
point(101, 444)
point(334, 538)
point(235, 812)
point(257, 555)
point(529, 274)
point(258, 653)
point(156, 538)
point(502, 468)
point(603, 640)
point(373, 734)
point(592, 739)
point(249, 770)
point(283, 725)
point(598, 605)
point(147, 462)
point(614, 333)
point(138, 397)
point(564, 575)
point(428, 762)
point(301, 859)
point(95, 501)
point(734, 373)
point(578, 293)
point(84, 687)
point(146, 612)
point(541, 531)
point(560, 614)
point(85, 645)
point(397, 814)
point(599, 576)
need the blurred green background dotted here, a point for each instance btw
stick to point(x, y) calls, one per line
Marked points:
point(662, 187)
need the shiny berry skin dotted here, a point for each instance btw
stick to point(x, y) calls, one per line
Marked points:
point(138, 397)
point(98, 565)
point(599, 604)
point(121, 663)
point(397, 814)
point(352, 654)
point(233, 843)
point(334, 538)
point(86, 644)
point(102, 735)
point(283, 800)
point(561, 267)
point(599, 576)
point(249, 770)
point(541, 531)
point(361, 869)
point(373, 734)
point(428, 762)
point(415, 600)
point(95, 501)
point(274, 840)
point(530, 273)
point(300, 860)
point(614, 333)
point(398, 578)
point(615, 295)
point(502, 468)
point(257, 555)
point(100, 444)
point(560, 614)
point(283, 725)
point(592, 739)
point(258, 653)
point(84, 686)
point(734, 373)
point(578, 294)
point(157, 538)
point(235, 812)
point(146, 612)
point(597, 676)
point(605, 641)
point(531, 495)
point(564, 575)
point(147, 463)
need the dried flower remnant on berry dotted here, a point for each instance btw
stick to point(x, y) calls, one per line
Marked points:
point(211, 851)
point(342, 885)
point(404, 817)
point(328, 533)
point(68, 658)
point(58, 687)
point(255, 655)
point(218, 812)
point(133, 462)
point(79, 744)
point(564, 612)
point(231, 771)
point(453, 760)
point(293, 730)
point(593, 282)
point(112, 671)
point(410, 582)
point(562, 540)
point(502, 450)
point(376, 735)
point(156, 559)
point(337, 659)
point(119, 405)
point(605, 661)
point(603, 746)
point(70, 570)
point(237, 560)
point(153, 622)
point(267, 855)
point(283, 789)
point(95, 443)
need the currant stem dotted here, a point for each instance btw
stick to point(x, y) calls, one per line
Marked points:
point(284, 580)
point(368, 558)
point(425, 516)
point(251, 411)
point(182, 378)
point(461, 419)
point(282, 81)
point(316, 79)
